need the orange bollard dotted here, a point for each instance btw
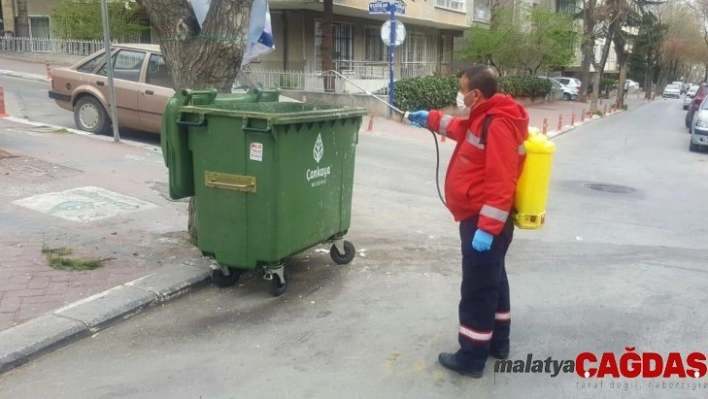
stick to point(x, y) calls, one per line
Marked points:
point(49, 71)
point(545, 126)
point(572, 119)
point(2, 102)
point(371, 122)
point(560, 122)
point(582, 116)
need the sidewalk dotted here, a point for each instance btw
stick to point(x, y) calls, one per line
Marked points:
point(100, 200)
point(31, 65)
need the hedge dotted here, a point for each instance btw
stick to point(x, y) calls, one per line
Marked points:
point(439, 91)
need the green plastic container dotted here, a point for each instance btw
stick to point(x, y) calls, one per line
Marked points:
point(270, 180)
point(174, 139)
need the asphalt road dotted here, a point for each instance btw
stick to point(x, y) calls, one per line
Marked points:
point(30, 100)
point(610, 270)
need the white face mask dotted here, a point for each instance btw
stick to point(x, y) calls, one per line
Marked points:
point(461, 102)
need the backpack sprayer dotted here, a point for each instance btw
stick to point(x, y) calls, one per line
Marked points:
point(531, 189)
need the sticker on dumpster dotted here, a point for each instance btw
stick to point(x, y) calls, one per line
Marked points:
point(318, 176)
point(257, 152)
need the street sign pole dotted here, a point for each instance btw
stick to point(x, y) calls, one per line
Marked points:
point(391, 54)
point(109, 65)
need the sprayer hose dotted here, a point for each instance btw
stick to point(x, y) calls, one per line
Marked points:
point(437, 167)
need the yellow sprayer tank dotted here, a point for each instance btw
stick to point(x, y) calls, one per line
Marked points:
point(532, 187)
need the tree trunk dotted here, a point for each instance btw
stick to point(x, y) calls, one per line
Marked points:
point(588, 54)
point(620, 42)
point(326, 47)
point(595, 93)
point(199, 58)
point(22, 26)
point(705, 75)
point(588, 48)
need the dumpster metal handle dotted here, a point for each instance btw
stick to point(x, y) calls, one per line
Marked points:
point(201, 122)
point(249, 129)
point(227, 181)
point(187, 95)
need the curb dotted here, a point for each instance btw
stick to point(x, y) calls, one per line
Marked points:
point(34, 338)
point(26, 76)
point(155, 148)
point(568, 128)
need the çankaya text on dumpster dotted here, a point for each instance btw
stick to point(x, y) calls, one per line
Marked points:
point(319, 174)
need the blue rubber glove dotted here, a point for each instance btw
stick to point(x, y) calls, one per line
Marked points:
point(419, 118)
point(482, 241)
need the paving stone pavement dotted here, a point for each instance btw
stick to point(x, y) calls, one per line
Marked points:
point(133, 242)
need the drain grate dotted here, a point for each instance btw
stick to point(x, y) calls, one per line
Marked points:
point(609, 188)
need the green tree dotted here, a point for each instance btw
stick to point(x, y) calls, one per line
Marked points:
point(544, 40)
point(81, 20)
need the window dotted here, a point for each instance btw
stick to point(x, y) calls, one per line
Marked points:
point(127, 65)
point(90, 65)
point(39, 27)
point(456, 5)
point(342, 45)
point(567, 6)
point(414, 48)
point(375, 49)
point(447, 49)
point(481, 11)
point(157, 72)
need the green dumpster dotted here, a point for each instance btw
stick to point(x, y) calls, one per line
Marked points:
point(270, 180)
point(173, 137)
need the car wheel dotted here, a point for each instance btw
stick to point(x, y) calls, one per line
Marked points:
point(566, 97)
point(685, 107)
point(693, 147)
point(90, 116)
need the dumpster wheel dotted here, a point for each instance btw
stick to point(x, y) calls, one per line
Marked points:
point(279, 278)
point(220, 278)
point(346, 257)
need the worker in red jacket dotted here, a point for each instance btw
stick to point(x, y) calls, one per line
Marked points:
point(479, 191)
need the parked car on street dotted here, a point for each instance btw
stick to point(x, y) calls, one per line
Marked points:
point(701, 94)
point(688, 97)
point(630, 84)
point(672, 91)
point(143, 86)
point(699, 128)
point(569, 94)
point(572, 83)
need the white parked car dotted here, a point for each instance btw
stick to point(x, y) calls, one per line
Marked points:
point(699, 128)
point(690, 94)
point(630, 84)
point(672, 91)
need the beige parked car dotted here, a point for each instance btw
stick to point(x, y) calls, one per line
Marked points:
point(142, 83)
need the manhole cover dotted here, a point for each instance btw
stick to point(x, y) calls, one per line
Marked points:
point(609, 188)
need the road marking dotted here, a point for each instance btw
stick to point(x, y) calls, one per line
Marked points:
point(84, 204)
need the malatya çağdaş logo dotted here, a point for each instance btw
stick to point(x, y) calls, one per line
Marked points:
point(630, 364)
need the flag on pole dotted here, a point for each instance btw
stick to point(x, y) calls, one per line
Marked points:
point(260, 33)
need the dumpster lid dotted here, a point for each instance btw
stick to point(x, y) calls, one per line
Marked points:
point(278, 113)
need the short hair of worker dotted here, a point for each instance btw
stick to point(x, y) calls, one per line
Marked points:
point(483, 78)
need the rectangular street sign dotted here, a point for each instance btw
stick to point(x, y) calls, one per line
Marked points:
point(381, 7)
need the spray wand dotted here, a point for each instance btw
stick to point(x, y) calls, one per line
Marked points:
point(405, 116)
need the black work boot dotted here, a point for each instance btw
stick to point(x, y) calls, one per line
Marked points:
point(450, 361)
point(500, 351)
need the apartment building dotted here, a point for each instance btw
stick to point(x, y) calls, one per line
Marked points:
point(431, 29)
point(38, 12)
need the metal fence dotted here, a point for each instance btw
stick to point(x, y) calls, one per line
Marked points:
point(359, 77)
point(52, 46)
